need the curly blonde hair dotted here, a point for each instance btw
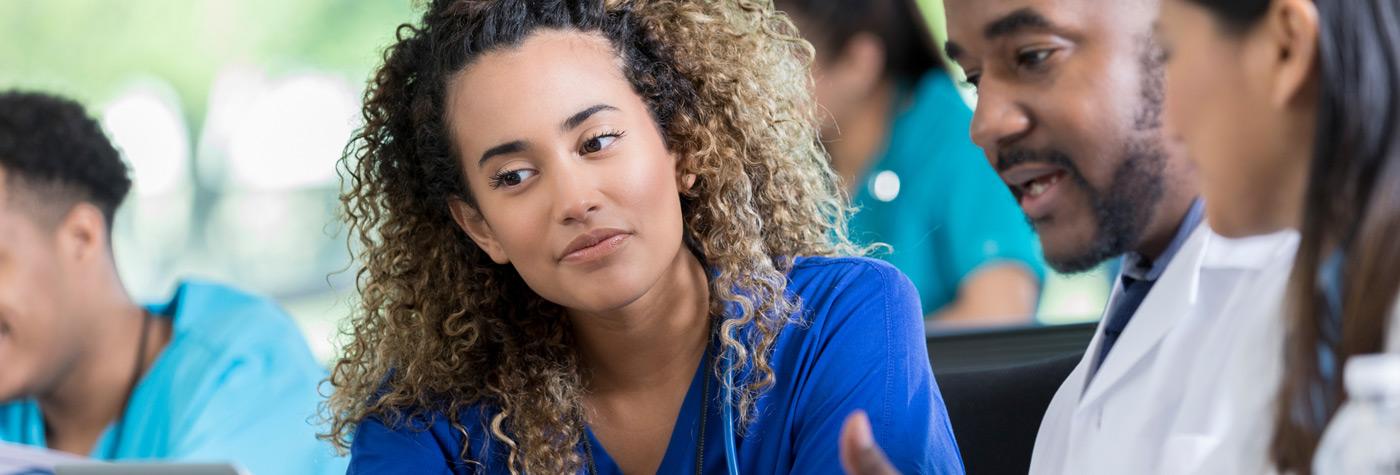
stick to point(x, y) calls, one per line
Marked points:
point(440, 328)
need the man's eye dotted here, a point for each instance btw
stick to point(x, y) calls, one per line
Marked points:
point(1034, 58)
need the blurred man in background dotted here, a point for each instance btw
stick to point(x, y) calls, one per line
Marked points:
point(213, 374)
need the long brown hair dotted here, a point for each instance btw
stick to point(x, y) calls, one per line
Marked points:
point(441, 329)
point(1347, 273)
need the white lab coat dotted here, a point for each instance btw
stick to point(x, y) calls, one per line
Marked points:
point(1229, 431)
point(1226, 418)
point(1120, 418)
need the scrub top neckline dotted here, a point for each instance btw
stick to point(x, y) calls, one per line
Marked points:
point(678, 457)
point(104, 445)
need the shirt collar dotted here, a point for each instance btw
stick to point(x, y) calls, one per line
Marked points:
point(1138, 267)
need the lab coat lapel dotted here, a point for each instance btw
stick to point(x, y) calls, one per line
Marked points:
point(1174, 294)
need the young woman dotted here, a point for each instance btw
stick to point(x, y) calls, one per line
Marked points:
point(1290, 109)
point(897, 131)
point(599, 236)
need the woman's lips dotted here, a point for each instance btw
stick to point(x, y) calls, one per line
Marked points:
point(595, 245)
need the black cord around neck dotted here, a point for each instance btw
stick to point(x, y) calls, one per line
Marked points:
point(137, 370)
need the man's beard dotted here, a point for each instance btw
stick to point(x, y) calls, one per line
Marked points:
point(1121, 213)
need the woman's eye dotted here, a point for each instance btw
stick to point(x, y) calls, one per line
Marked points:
point(511, 178)
point(973, 80)
point(599, 142)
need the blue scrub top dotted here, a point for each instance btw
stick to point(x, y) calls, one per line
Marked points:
point(236, 383)
point(934, 199)
point(861, 348)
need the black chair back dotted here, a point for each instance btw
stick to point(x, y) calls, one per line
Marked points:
point(997, 385)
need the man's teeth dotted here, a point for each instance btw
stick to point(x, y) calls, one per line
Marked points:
point(1040, 185)
point(1037, 188)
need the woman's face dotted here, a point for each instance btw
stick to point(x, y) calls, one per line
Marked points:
point(1227, 99)
point(573, 182)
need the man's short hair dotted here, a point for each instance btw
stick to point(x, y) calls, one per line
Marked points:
point(50, 148)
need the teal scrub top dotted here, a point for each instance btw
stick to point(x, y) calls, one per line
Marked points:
point(236, 383)
point(933, 198)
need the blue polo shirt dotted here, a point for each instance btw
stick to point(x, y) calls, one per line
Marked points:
point(862, 347)
point(236, 383)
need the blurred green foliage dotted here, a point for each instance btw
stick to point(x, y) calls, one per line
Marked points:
point(89, 49)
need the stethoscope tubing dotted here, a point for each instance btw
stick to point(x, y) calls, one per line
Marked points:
point(731, 456)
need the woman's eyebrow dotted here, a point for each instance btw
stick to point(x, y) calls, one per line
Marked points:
point(577, 119)
point(507, 148)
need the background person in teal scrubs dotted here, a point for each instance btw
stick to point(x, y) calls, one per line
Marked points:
point(897, 135)
point(211, 375)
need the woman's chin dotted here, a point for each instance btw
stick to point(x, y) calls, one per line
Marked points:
point(600, 299)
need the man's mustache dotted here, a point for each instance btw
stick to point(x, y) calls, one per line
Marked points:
point(1006, 159)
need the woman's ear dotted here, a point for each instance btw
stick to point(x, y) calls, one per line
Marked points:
point(687, 182)
point(1291, 31)
point(684, 180)
point(472, 223)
